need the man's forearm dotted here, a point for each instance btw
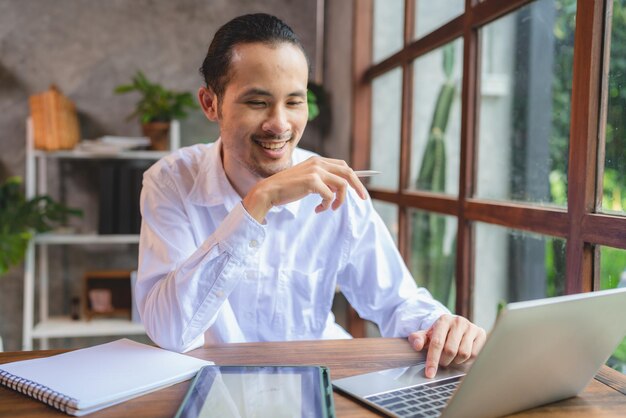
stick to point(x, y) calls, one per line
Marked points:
point(179, 299)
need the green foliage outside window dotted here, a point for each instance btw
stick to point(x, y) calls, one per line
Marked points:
point(433, 267)
point(613, 261)
point(431, 264)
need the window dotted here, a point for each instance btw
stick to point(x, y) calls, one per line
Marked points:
point(614, 167)
point(612, 275)
point(502, 145)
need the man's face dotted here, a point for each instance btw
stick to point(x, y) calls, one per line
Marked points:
point(263, 111)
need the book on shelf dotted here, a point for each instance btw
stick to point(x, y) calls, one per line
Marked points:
point(55, 122)
point(119, 191)
point(108, 198)
point(83, 381)
point(112, 145)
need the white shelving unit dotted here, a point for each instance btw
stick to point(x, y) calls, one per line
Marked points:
point(36, 269)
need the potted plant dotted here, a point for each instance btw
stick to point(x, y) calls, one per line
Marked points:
point(156, 108)
point(20, 219)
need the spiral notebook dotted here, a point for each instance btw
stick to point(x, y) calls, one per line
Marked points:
point(83, 381)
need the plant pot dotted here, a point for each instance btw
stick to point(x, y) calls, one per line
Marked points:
point(159, 134)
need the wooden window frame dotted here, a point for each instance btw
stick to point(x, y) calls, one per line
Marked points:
point(581, 224)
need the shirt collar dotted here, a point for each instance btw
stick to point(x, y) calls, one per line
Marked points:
point(212, 187)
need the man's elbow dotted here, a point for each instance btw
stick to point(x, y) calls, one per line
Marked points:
point(173, 342)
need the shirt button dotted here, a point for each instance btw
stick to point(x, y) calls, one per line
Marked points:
point(254, 243)
point(250, 275)
point(219, 294)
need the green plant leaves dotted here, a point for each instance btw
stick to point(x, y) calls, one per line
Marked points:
point(157, 104)
point(21, 218)
point(311, 100)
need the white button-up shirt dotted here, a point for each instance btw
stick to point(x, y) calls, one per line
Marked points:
point(209, 272)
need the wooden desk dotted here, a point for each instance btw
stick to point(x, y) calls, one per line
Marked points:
point(604, 397)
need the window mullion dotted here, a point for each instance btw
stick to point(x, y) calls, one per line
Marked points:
point(582, 165)
point(464, 251)
point(405, 131)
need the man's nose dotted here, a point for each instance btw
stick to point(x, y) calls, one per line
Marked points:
point(276, 122)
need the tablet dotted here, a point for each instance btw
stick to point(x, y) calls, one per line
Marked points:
point(260, 392)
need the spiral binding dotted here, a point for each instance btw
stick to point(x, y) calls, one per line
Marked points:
point(40, 392)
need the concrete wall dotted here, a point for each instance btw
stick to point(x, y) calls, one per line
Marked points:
point(87, 48)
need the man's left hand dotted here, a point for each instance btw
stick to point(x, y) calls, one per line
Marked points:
point(451, 339)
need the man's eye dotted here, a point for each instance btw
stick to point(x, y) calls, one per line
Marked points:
point(256, 103)
point(298, 103)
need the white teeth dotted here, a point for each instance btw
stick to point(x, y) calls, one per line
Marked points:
point(272, 145)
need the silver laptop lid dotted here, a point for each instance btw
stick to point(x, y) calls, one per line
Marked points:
point(541, 351)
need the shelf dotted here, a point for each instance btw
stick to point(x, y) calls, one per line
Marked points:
point(66, 327)
point(86, 155)
point(37, 275)
point(82, 239)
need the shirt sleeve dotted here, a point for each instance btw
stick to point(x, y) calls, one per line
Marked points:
point(181, 286)
point(377, 282)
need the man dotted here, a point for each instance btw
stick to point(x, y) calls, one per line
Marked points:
point(247, 239)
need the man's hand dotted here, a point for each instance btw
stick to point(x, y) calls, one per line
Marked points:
point(324, 176)
point(451, 339)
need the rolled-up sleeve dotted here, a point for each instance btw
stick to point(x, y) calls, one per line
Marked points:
point(181, 286)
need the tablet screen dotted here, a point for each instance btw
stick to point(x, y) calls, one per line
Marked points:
point(255, 391)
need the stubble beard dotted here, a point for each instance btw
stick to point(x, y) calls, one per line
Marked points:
point(267, 170)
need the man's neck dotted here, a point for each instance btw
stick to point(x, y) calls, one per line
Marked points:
point(242, 179)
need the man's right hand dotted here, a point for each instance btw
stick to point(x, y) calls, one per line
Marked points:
point(327, 177)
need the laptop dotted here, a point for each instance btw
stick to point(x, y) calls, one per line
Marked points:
point(538, 352)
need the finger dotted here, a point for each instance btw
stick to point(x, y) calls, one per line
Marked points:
point(479, 342)
point(325, 193)
point(338, 185)
point(340, 194)
point(458, 329)
point(435, 346)
point(466, 346)
point(418, 339)
point(341, 168)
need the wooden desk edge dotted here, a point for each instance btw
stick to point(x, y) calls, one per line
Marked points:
point(365, 354)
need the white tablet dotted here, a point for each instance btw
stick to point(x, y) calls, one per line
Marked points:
point(259, 391)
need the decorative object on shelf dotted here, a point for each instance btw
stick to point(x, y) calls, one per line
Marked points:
point(75, 308)
point(156, 108)
point(100, 301)
point(20, 219)
point(112, 145)
point(55, 122)
point(107, 293)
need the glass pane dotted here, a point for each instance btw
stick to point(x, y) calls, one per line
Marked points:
point(512, 266)
point(433, 254)
point(385, 140)
point(524, 104)
point(614, 180)
point(429, 15)
point(612, 275)
point(388, 36)
point(389, 213)
point(435, 147)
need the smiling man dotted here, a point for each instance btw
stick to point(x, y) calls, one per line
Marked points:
point(247, 239)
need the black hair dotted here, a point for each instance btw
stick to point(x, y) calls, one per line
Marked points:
point(251, 28)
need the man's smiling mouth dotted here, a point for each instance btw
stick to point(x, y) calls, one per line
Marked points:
point(272, 145)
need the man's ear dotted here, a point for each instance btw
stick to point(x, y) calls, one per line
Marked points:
point(208, 102)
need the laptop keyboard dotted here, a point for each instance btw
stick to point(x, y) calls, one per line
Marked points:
point(418, 401)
